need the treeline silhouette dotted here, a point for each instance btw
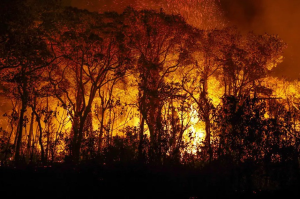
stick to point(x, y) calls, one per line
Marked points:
point(128, 94)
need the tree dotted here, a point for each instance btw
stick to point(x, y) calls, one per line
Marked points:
point(247, 59)
point(196, 78)
point(94, 54)
point(159, 43)
point(24, 56)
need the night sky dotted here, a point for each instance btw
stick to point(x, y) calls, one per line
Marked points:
point(260, 16)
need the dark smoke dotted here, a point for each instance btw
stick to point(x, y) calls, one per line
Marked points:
point(279, 17)
point(242, 12)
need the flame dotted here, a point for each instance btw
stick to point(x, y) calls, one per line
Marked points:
point(196, 133)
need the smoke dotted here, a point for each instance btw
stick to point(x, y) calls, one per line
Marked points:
point(242, 13)
point(200, 13)
point(278, 17)
point(103, 5)
point(282, 18)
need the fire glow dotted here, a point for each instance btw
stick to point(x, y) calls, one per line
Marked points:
point(162, 82)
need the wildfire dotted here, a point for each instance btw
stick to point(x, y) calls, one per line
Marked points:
point(103, 74)
point(196, 133)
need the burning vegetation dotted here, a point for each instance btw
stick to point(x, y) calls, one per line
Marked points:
point(144, 86)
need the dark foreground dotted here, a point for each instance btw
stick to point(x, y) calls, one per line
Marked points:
point(119, 181)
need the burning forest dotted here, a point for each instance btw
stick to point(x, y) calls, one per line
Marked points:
point(171, 91)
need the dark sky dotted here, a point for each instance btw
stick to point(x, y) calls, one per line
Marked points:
point(260, 16)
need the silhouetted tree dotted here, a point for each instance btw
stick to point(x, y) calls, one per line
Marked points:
point(24, 56)
point(94, 55)
point(159, 43)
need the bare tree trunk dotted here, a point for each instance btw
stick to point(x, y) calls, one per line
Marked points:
point(30, 136)
point(208, 137)
point(38, 119)
point(20, 131)
point(101, 131)
point(74, 140)
point(48, 133)
point(141, 138)
point(78, 139)
point(41, 141)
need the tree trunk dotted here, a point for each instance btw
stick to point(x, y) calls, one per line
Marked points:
point(74, 141)
point(48, 133)
point(206, 115)
point(20, 131)
point(7, 145)
point(141, 138)
point(101, 131)
point(207, 137)
point(79, 135)
point(41, 139)
point(38, 119)
point(30, 136)
point(154, 123)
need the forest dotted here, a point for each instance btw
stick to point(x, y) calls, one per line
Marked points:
point(106, 93)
